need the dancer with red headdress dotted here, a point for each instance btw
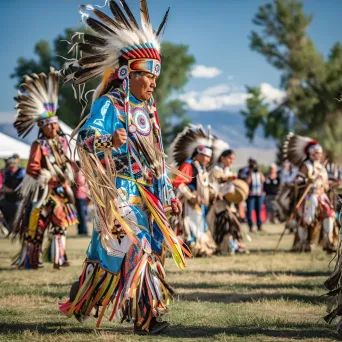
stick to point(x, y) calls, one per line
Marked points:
point(315, 214)
point(122, 157)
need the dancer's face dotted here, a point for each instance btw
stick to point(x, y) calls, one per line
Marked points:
point(228, 160)
point(317, 155)
point(142, 85)
point(50, 131)
point(203, 160)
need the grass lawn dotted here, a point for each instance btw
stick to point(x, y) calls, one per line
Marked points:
point(255, 297)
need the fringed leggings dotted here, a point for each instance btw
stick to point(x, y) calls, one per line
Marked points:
point(29, 255)
point(55, 248)
point(136, 294)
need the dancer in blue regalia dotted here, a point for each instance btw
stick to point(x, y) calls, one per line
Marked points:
point(122, 158)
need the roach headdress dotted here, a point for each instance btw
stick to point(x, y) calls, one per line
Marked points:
point(37, 101)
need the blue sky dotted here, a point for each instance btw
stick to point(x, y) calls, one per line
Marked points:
point(215, 30)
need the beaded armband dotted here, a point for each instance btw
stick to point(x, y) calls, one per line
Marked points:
point(103, 142)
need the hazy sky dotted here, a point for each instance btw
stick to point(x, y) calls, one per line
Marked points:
point(215, 30)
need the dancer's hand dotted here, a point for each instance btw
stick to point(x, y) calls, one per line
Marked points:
point(176, 208)
point(119, 137)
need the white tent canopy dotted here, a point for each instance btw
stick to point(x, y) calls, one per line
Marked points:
point(9, 146)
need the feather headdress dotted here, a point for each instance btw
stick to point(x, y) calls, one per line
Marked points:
point(37, 101)
point(188, 141)
point(116, 42)
point(296, 148)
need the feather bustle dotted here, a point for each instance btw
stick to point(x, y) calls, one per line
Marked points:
point(294, 147)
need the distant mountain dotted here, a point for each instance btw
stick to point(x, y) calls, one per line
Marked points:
point(230, 127)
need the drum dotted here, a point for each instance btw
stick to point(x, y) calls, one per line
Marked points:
point(240, 194)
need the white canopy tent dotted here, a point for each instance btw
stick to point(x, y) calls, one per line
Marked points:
point(9, 146)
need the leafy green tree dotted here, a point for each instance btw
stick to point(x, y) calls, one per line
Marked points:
point(176, 65)
point(312, 83)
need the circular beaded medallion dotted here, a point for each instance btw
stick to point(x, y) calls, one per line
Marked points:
point(141, 121)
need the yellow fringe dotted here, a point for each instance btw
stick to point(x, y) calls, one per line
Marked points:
point(81, 292)
point(33, 222)
point(168, 234)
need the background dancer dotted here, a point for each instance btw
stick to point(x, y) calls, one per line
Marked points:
point(192, 152)
point(47, 199)
point(315, 215)
point(226, 227)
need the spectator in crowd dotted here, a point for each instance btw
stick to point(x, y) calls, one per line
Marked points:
point(288, 173)
point(243, 172)
point(271, 187)
point(255, 180)
point(12, 177)
point(17, 157)
point(81, 198)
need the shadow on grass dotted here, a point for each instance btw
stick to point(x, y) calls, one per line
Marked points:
point(229, 298)
point(297, 331)
point(248, 286)
point(57, 328)
point(270, 250)
point(298, 273)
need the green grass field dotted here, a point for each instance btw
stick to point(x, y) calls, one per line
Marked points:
point(255, 297)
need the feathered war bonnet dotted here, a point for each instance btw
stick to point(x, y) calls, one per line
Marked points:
point(297, 148)
point(37, 101)
point(194, 139)
point(116, 46)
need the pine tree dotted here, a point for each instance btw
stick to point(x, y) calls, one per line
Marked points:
point(312, 84)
